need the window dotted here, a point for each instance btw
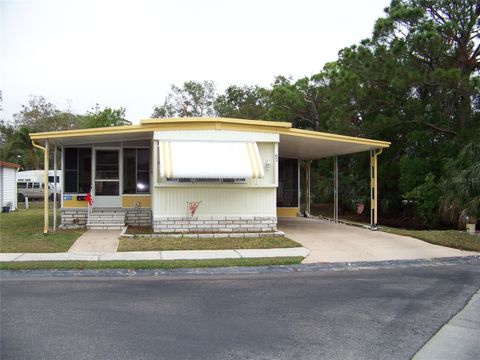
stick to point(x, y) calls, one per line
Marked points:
point(136, 171)
point(30, 185)
point(36, 185)
point(78, 170)
point(22, 185)
point(52, 178)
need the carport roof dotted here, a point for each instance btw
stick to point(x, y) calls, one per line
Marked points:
point(294, 143)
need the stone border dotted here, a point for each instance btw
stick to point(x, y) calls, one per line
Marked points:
point(215, 224)
point(200, 235)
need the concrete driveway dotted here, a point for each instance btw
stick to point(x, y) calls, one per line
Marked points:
point(330, 242)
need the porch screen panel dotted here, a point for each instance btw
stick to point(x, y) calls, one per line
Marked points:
point(78, 170)
point(136, 171)
point(287, 192)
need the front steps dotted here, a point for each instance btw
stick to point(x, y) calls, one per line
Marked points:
point(106, 219)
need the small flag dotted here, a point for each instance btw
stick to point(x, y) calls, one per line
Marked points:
point(89, 199)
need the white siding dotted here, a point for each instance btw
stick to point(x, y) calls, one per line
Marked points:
point(216, 201)
point(8, 186)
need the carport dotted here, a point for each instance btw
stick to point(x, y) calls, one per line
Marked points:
point(306, 145)
point(335, 242)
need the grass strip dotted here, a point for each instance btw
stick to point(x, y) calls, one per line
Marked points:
point(163, 244)
point(452, 238)
point(157, 264)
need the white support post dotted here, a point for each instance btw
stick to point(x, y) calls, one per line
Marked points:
point(45, 189)
point(54, 187)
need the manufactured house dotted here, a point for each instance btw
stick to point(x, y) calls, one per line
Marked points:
point(191, 175)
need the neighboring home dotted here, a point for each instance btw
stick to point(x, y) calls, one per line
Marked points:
point(192, 174)
point(8, 184)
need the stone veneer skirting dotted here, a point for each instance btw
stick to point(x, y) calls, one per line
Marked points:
point(215, 224)
point(71, 218)
point(138, 216)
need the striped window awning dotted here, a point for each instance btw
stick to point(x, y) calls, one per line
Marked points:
point(202, 159)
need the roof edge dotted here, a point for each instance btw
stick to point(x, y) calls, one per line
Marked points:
point(335, 137)
point(10, 164)
point(265, 123)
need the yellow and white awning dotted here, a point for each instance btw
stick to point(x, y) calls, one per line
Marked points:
point(209, 159)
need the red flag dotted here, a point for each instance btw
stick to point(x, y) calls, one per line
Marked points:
point(89, 199)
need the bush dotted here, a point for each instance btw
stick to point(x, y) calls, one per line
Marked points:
point(426, 198)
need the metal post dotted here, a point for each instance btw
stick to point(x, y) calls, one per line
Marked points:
point(54, 187)
point(373, 190)
point(45, 190)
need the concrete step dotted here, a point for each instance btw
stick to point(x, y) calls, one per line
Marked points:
point(105, 227)
point(121, 218)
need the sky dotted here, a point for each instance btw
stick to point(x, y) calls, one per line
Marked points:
point(128, 53)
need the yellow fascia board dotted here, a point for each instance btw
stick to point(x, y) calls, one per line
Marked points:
point(335, 137)
point(88, 132)
point(220, 120)
point(150, 125)
point(170, 124)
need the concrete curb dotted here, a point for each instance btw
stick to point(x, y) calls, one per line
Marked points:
point(156, 255)
point(458, 338)
point(314, 267)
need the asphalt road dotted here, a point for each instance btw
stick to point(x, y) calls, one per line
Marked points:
point(367, 314)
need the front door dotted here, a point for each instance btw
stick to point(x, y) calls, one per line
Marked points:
point(107, 178)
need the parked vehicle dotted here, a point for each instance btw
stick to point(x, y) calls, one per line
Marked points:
point(31, 184)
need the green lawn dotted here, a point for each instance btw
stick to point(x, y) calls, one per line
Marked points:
point(162, 244)
point(160, 264)
point(451, 238)
point(22, 231)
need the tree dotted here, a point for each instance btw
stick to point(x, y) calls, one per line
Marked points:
point(193, 99)
point(243, 102)
point(41, 115)
point(443, 42)
point(104, 118)
point(461, 185)
point(300, 102)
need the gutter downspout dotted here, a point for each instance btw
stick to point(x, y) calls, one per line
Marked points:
point(45, 184)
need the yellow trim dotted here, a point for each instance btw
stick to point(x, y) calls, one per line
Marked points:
point(287, 211)
point(334, 137)
point(250, 158)
point(74, 203)
point(150, 125)
point(131, 201)
point(217, 121)
point(257, 160)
